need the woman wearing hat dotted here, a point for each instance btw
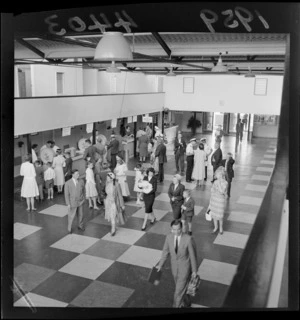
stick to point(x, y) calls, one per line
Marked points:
point(120, 172)
point(176, 195)
point(143, 146)
point(217, 200)
point(57, 165)
point(114, 203)
point(149, 197)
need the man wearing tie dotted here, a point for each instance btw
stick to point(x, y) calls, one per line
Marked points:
point(180, 146)
point(114, 145)
point(75, 197)
point(180, 246)
point(229, 173)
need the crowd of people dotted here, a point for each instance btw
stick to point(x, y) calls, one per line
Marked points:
point(106, 185)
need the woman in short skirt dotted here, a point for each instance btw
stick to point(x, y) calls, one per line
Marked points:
point(29, 189)
point(90, 186)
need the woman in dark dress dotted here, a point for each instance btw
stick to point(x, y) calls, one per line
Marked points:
point(176, 196)
point(149, 197)
point(68, 166)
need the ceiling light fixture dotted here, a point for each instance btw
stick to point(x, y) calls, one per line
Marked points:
point(113, 47)
point(249, 74)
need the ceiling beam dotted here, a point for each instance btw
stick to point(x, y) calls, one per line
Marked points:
point(162, 42)
point(68, 41)
point(31, 47)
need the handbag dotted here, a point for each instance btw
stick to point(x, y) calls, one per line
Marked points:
point(207, 215)
point(193, 285)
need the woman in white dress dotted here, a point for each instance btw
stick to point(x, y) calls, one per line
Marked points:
point(114, 203)
point(199, 165)
point(57, 165)
point(90, 186)
point(29, 189)
point(120, 172)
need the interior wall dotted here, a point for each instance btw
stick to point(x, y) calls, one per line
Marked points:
point(44, 80)
point(224, 93)
point(60, 112)
point(90, 81)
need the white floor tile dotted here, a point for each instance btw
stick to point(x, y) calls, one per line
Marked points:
point(163, 197)
point(124, 235)
point(39, 301)
point(189, 186)
point(271, 151)
point(270, 156)
point(260, 177)
point(56, 210)
point(254, 201)
point(86, 266)
point(255, 187)
point(267, 162)
point(232, 239)
point(244, 217)
point(133, 203)
point(197, 210)
point(216, 271)
point(74, 243)
point(194, 305)
point(22, 230)
point(140, 256)
point(264, 169)
point(159, 214)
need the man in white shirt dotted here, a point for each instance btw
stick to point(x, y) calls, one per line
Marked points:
point(182, 251)
point(190, 159)
point(208, 150)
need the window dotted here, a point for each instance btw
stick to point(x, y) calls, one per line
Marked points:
point(260, 87)
point(59, 82)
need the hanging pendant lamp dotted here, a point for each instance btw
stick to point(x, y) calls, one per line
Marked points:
point(113, 47)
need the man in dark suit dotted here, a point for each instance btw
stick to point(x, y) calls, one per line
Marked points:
point(239, 129)
point(176, 196)
point(114, 146)
point(216, 158)
point(75, 197)
point(91, 152)
point(229, 173)
point(162, 158)
point(179, 150)
point(181, 248)
point(190, 159)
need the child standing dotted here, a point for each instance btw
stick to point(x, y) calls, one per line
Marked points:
point(188, 211)
point(90, 186)
point(49, 176)
point(39, 179)
point(138, 177)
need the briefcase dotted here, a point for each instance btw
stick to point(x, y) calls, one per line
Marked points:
point(193, 285)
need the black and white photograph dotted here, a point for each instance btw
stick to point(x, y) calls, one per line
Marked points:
point(150, 159)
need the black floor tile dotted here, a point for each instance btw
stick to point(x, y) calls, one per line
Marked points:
point(151, 240)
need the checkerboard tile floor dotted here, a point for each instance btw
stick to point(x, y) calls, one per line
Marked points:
point(93, 269)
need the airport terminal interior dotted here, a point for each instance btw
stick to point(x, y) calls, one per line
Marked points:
point(64, 92)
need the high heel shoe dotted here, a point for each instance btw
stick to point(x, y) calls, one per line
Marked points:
point(143, 229)
point(152, 222)
point(214, 231)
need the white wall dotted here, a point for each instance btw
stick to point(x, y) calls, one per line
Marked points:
point(44, 80)
point(224, 93)
point(59, 112)
point(90, 81)
point(126, 82)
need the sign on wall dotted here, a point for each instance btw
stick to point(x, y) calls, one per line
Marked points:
point(89, 127)
point(66, 131)
point(114, 123)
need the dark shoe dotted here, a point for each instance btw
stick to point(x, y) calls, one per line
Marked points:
point(214, 231)
point(143, 229)
point(221, 232)
point(188, 181)
point(205, 179)
point(190, 233)
point(113, 233)
point(81, 228)
point(153, 221)
point(192, 179)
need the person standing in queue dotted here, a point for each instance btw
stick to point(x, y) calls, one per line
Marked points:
point(180, 147)
point(216, 159)
point(229, 173)
point(182, 251)
point(208, 150)
point(160, 153)
point(176, 196)
point(91, 153)
point(75, 197)
point(114, 146)
point(190, 159)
